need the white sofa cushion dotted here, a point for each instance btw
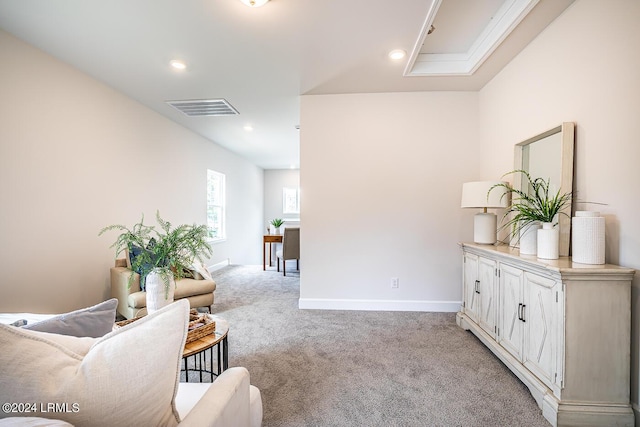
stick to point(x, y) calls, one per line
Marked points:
point(32, 422)
point(128, 377)
point(189, 394)
point(10, 318)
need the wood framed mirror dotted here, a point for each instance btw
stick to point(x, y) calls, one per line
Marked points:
point(549, 155)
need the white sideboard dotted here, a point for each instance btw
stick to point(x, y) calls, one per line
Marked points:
point(563, 328)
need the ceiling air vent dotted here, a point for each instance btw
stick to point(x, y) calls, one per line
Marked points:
point(204, 107)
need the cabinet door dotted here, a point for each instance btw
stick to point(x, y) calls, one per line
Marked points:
point(510, 327)
point(487, 288)
point(471, 296)
point(540, 315)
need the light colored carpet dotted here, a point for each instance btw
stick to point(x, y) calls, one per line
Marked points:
point(358, 368)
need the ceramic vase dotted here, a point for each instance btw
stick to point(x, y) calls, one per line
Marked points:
point(548, 241)
point(274, 230)
point(588, 237)
point(529, 239)
point(158, 295)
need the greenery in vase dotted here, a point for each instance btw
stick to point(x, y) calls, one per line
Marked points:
point(170, 252)
point(277, 222)
point(535, 204)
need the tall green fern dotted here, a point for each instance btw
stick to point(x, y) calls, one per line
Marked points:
point(170, 252)
point(535, 204)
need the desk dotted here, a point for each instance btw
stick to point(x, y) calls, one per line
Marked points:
point(197, 350)
point(270, 239)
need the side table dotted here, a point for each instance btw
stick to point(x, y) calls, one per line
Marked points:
point(198, 350)
point(270, 239)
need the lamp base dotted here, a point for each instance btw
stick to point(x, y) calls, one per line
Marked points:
point(485, 228)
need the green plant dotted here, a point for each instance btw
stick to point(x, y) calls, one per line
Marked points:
point(170, 252)
point(277, 222)
point(533, 203)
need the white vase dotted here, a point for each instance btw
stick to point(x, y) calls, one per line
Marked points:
point(548, 241)
point(588, 238)
point(274, 229)
point(529, 239)
point(158, 295)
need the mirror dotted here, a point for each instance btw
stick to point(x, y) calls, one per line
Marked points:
point(550, 156)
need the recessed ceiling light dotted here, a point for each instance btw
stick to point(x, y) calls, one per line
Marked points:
point(248, 128)
point(397, 54)
point(254, 3)
point(178, 65)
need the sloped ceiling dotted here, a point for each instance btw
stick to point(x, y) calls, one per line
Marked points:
point(261, 60)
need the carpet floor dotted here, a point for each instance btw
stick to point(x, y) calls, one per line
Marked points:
point(362, 368)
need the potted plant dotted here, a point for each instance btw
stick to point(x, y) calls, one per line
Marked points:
point(276, 223)
point(533, 204)
point(160, 257)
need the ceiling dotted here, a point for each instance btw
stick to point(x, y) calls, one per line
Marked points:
point(260, 60)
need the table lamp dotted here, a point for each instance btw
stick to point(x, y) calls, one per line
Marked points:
point(476, 195)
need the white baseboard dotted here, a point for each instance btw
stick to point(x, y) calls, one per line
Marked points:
point(218, 265)
point(379, 305)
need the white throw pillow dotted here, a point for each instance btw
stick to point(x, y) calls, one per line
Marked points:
point(201, 269)
point(128, 377)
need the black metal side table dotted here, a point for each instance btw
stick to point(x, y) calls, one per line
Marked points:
point(198, 351)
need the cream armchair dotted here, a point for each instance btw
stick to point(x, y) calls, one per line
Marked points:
point(132, 302)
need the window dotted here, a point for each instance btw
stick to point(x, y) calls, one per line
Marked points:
point(216, 205)
point(291, 200)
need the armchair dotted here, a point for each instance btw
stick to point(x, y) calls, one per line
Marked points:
point(132, 302)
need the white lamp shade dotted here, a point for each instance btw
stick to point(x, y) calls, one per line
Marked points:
point(474, 195)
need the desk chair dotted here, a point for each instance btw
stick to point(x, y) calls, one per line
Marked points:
point(290, 249)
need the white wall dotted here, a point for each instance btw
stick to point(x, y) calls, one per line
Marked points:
point(274, 181)
point(381, 177)
point(76, 156)
point(583, 68)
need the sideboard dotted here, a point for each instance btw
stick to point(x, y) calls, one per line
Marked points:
point(563, 328)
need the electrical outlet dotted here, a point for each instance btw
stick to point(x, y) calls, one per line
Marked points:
point(395, 282)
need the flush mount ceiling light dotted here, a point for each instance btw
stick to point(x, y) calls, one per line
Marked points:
point(178, 65)
point(248, 128)
point(254, 3)
point(397, 54)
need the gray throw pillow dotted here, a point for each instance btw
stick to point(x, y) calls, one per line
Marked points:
point(93, 322)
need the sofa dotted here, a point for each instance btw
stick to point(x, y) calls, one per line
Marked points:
point(132, 302)
point(129, 376)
